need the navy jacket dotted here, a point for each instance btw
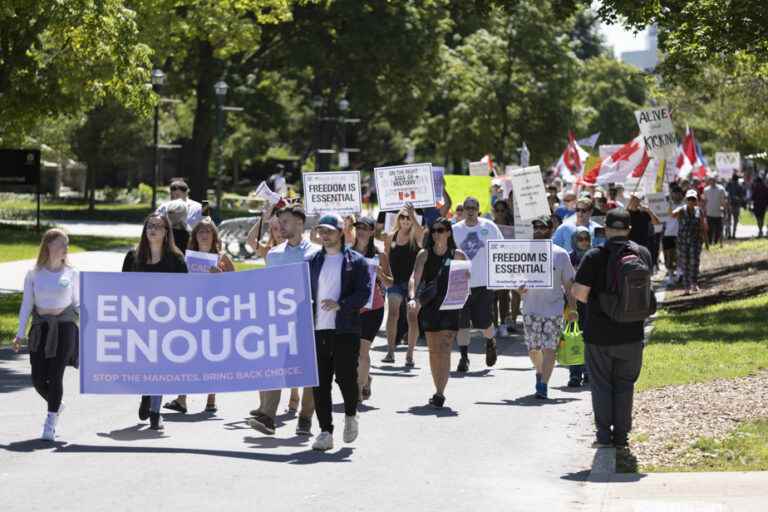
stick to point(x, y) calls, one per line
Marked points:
point(355, 288)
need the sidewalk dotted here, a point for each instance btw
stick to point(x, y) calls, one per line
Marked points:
point(90, 227)
point(12, 273)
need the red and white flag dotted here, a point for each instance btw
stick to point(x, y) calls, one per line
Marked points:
point(631, 159)
point(690, 161)
point(571, 163)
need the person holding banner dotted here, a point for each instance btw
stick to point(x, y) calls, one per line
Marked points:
point(543, 309)
point(341, 286)
point(155, 252)
point(401, 247)
point(432, 272)
point(472, 235)
point(295, 249)
point(52, 298)
point(204, 238)
point(691, 232)
point(372, 315)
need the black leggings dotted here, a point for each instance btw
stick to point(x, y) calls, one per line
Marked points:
point(337, 354)
point(48, 374)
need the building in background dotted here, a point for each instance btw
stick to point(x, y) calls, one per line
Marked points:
point(647, 59)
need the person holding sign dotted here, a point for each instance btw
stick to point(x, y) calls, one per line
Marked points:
point(341, 286)
point(52, 297)
point(204, 238)
point(155, 252)
point(401, 248)
point(370, 316)
point(431, 281)
point(543, 309)
point(472, 235)
point(274, 238)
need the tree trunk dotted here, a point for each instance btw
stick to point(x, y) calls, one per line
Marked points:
point(208, 69)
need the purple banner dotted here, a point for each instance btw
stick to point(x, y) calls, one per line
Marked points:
point(437, 174)
point(152, 333)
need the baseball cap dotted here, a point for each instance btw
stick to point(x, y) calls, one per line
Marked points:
point(331, 221)
point(543, 219)
point(367, 221)
point(691, 193)
point(617, 218)
point(637, 194)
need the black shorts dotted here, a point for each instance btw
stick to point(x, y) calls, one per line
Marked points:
point(477, 312)
point(370, 323)
point(669, 243)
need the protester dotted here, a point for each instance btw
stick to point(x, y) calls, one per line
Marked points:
point(564, 233)
point(581, 244)
point(642, 220)
point(204, 238)
point(458, 215)
point(52, 298)
point(567, 207)
point(179, 191)
point(432, 269)
point(401, 247)
point(737, 199)
point(295, 249)
point(506, 306)
point(669, 241)
point(471, 236)
point(341, 287)
point(613, 349)
point(274, 238)
point(759, 196)
point(176, 211)
point(370, 318)
point(691, 232)
point(155, 252)
point(715, 201)
point(543, 309)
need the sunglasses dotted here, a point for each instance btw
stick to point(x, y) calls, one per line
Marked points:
point(403, 217)
point(439, 231)
point(470, 208)
point(582, 239)
point(500, 210)
point(583, 210)
point(540, 227)
point(692, 199)
point(364, 227)
point(177, 187)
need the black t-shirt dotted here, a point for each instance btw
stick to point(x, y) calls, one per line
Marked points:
point(599, 329)
point(642, 228)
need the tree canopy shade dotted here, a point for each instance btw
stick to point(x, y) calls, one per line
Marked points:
point(58, 57)
point(693, 33)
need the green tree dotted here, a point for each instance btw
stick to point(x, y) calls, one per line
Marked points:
point(62, 57)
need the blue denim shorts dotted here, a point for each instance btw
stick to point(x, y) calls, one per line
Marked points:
point(400, 289)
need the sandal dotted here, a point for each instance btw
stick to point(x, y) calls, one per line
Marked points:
point(174, 405)
point(389, 358)
point(211, 408)
point(409, 362)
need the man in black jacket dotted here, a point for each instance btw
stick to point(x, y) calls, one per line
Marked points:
point(613, 350)
point(341, 286)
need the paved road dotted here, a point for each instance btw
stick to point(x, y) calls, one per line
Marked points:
point(494, 448)
point(12, 273)
point(92, 228)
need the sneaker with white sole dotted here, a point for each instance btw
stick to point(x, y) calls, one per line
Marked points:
point(351, 428)
point(323, 442)
point(49, 428)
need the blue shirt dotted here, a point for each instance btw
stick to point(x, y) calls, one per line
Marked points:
point(564, 235)
point(285, 254)
point(563, 212)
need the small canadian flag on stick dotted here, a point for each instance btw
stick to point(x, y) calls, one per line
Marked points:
point(407, 195)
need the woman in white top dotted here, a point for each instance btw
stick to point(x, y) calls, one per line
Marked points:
point(52, 297)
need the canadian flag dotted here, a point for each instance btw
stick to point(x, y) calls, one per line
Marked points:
point(571, 162)
point(489, 162)
point(690, 160)
point(631, 159)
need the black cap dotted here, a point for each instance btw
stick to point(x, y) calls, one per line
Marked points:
point(618, 218)
point(367, 221)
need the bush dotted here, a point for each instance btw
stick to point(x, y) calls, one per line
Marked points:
point(145, 193)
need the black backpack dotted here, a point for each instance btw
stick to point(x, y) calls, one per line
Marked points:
point(628, 296)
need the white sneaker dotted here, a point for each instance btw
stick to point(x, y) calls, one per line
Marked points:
point(49, 428)
point(323, 442)
point(350, 428)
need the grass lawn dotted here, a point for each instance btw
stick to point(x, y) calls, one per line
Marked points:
point(21, 243)
point(724, 340)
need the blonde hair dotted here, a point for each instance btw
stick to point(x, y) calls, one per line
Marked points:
point(44, 254)
point(412, 235)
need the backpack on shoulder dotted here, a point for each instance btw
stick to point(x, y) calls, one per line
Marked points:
point(629, 296)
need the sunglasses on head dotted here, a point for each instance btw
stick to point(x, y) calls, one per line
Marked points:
point(178, 187)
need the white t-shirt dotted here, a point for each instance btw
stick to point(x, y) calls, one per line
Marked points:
point(715, 196)
point(670, 225)
point(48, 290)
point(550, 303)
point(328, 287)
point(194, 212)
point(473, 240)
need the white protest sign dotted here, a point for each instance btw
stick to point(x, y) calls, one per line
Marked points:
point(200, 262)
point(530, 194)
point(658, 204)
point(373, 265)
point(478, 169)
point(263, 191)
point(727, 163)
point(337, 192)
point(458, 285)
point(516, 263)
point(523, 229)
point(509, 169)
point(657, 131)
point(401, 184)
point(390, 218)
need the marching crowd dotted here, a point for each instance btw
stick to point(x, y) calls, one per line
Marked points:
point(603, 238)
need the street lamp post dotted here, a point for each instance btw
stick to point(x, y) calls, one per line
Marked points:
point(221, 89)
point(158, 80)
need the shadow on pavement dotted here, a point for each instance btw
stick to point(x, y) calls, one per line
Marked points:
point(190, 418)
point(566, 389)
point(392, 373)
point(428, 410)
point(138, 432)
point(238, 425)
point(32, 445)
point(477, 373)
point(11, 380)
point(516, 369)
point(361, 407)
point(303, 457)
point(531, 401)
point(268, 442)
point(580, 476)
